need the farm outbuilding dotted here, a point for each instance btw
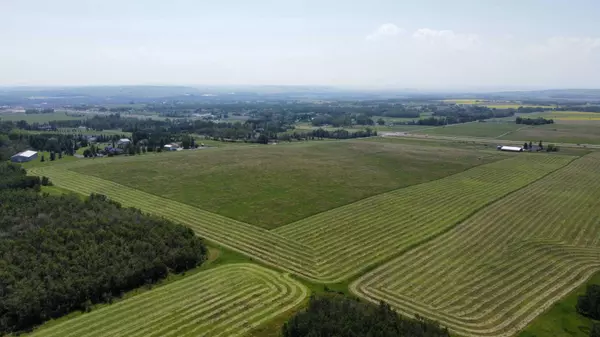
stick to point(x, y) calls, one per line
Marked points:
point(171, 147)
point(123, 142)
point(510, 148)
point(24, 156)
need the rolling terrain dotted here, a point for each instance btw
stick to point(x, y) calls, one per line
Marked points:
point(479, 240)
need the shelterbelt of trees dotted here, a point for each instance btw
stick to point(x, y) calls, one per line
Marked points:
point(534, 121)
point(60, 254)
point(333, 315)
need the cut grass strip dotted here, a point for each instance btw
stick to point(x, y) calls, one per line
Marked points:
point(228, 300)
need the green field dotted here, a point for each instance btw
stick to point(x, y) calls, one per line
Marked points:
point(303, 127)
point(323, 247)
point(562, 320)
point(567, 117)
point(225, 301)
point(480, 240)
point(84, 132)
point(275, 185)
point(506, 264)
point(558, 133)
point(474, 129)
point(494, 104)
point(38, 118)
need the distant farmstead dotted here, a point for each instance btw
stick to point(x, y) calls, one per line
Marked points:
point(24, 156)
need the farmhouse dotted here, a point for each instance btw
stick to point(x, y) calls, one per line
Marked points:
point(123, 142)
point(171, 147)
point(510, 148)
point(24, 156)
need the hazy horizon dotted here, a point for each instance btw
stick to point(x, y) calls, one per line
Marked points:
point(420, 45)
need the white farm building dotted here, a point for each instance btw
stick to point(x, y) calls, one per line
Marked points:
point(24, 156)
point(171, 147)
point(510, 148)
point(123, 141)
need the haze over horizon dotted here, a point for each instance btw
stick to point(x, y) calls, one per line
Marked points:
point(429, 44)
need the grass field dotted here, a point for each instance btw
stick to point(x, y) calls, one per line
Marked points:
point(558, 133)
point(225, 301)
point(495, 272)
point(571, 117)
point(562, 320)
point(303, 127)
point(475, 129)
point(492, 104)
point(270, 186)
point(480, 240)
point(78, 131)
point(38, 118)
point(323, 247)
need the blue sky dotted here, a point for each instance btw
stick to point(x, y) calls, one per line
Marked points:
point(427, 44)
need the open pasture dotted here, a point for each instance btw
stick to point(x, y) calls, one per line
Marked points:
point(495, 104)
point(303, 127)
point(270, 186)
point(558, 133)
point(496, 271)
point(38, 118)
point(225, 301)
point(334, 245)
point(567, 117)
point(474, 129)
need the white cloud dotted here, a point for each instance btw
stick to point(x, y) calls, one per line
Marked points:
point(385, 30)
point(447, 38)
point(578, 43)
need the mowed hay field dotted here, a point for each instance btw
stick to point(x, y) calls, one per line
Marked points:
point(270, 186)
point(475, 129)
point(587, 133)
point(499, 269)
point(225, 301)
point(337, 244)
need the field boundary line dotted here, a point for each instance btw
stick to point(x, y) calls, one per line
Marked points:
point(509, 132)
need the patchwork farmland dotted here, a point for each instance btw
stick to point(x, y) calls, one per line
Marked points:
point(459, 244)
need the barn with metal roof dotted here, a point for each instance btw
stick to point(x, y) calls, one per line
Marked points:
point(24, 156)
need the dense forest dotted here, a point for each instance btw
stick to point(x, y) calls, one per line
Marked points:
point(59, 254)
point(333, 315)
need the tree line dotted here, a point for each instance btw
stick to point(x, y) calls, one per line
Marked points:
point(60, 254)
point(588, 305)
point(334, 315)
point(39, 111)
point(534, 121)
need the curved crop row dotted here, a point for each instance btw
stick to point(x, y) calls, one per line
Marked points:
point(351, 237)
point(225, 301)
point(498, 270)
point(334, 245)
